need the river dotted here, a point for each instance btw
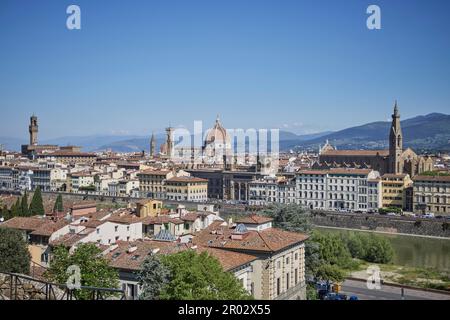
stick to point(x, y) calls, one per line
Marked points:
point(415, 251)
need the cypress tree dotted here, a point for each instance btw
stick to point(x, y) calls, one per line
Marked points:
point(24, 206)
point(37, 206)
point(17, 209)
point(58, 207)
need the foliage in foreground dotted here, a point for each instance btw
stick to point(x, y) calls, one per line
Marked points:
point(14, 255)
point(94, 268)
point(199, 277)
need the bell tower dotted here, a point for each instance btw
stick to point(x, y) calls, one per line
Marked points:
point(395, 143)
point(152, 146)
point(33, 129)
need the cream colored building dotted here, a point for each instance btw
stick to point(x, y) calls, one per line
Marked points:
point(187, 189)
point(432, 194)
point(394, 190)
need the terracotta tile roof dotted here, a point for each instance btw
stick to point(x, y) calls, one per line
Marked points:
point(432, 178)
point(355, 153)
point(190, 216)
point(124, 218)
point(228, 259)
point(160, 220)
point(186, 179)
point(391, 176)
point(254, 219)
point(349, 171)
point(68, 240)
point(155, 172)
point(121, 258)
point(48, 228)
point(268, 240)
point(24, 223)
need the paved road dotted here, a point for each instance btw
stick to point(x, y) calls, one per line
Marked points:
point(359, 288)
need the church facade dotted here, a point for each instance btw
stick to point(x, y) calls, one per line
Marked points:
point(394, 160)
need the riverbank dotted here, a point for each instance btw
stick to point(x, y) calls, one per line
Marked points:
point(400, 275)
point(383, 232)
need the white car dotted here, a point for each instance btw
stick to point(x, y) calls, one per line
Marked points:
point(428, 215)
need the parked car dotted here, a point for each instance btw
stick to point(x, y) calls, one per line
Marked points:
point(428, 215)
point(391, 214)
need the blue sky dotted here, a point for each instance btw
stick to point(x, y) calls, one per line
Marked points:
point(136, 66)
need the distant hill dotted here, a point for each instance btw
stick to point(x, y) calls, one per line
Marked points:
point(423, 133)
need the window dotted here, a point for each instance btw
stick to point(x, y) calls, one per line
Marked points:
point(296, 256)
point(116, 228)
point(296, 275)
point(287, 281)
point(278, 287)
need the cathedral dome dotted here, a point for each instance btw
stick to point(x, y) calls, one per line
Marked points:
point(218, 135)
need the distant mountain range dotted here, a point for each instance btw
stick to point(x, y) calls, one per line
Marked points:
point(423, 133)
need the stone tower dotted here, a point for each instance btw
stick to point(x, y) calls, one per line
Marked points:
point(169, 141)
point(152, 146)
point(33, 129)
point(395, 143)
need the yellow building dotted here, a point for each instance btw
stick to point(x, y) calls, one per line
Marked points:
point(187, 189)
point(394, 189)
point(151, 183)
point(149, 208)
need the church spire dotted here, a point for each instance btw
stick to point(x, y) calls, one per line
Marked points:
point(395, 143)
point(152, 145)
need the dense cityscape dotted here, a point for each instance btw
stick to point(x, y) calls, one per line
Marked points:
point(217, 159)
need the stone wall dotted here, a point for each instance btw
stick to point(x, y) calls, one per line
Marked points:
point(425, 227)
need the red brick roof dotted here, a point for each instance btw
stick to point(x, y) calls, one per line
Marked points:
point(254, 219)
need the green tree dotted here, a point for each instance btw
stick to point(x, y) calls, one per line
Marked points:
point(16, 210)
point(153, 276)
point(199, 277)
point(37, 206)
point(94, 268)
point(58, 207)
point(290, 217)
point(14, 253)
point(330, 272)
point(379, 250)
point(24, 210)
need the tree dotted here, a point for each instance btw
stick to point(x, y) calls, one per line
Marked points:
point(13, 252)
point(58, 207)
point(330, 272)
point(16, 209)
point(199, 277)
point(153, 276)
point(94, 268)
point(24, 210)
point(37, 206)
point(291, 217)
point(379, 250)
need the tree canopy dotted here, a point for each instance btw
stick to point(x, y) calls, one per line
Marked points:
point(37, 206)
point(94, 268)
point(58, 207)
point(199, 277)
point(153, 276)
point(14, 254)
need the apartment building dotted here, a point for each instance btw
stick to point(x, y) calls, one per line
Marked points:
point(187, 189)
point(431, 194)
point(152, 183)
point(271, 189)
point(394, 188)
point(338, 189)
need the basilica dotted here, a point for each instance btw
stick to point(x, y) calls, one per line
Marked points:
point(394, 160)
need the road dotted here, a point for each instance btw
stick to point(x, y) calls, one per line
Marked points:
point(359, 288)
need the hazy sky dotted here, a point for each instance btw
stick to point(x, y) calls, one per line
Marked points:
point(136, 66)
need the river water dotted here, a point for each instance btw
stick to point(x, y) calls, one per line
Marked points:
point(415, 251)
